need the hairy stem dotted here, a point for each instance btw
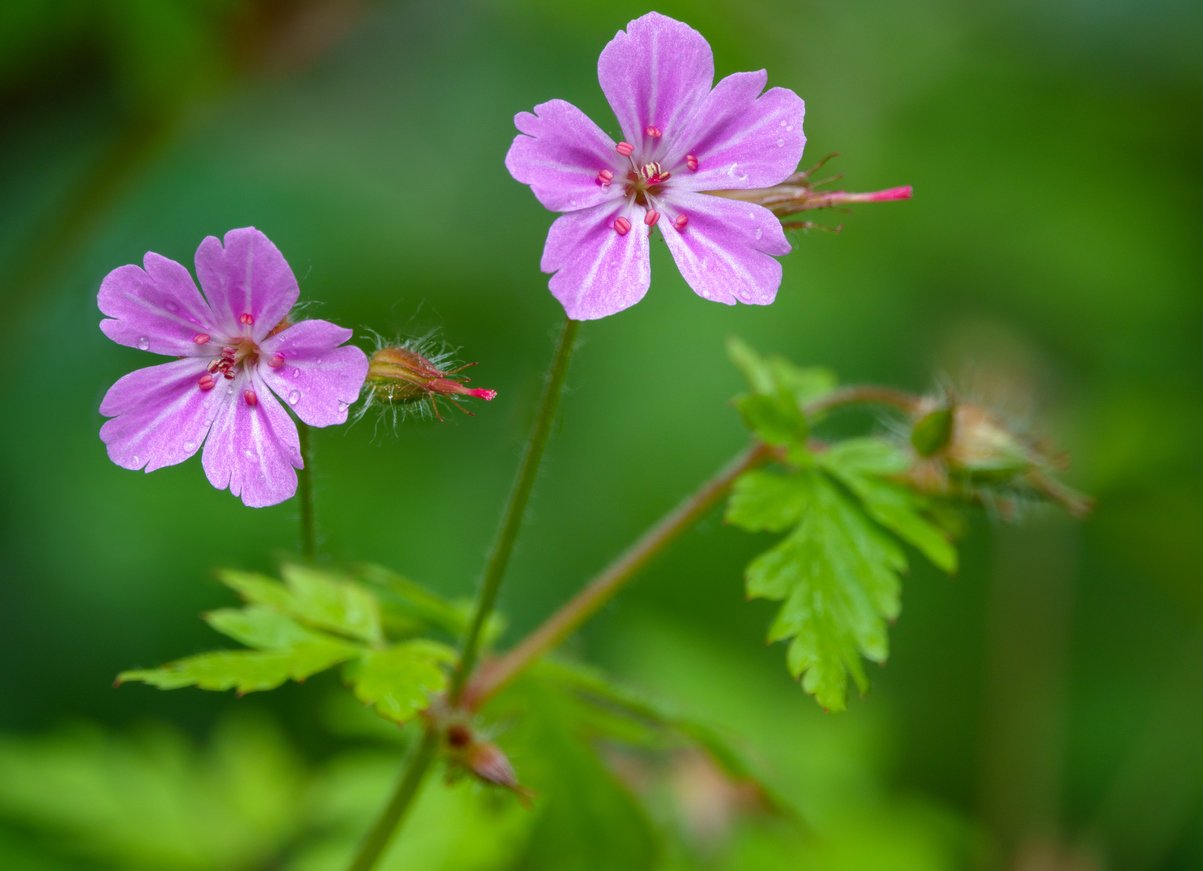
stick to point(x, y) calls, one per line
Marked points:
point(614, 577)
point(305, 495)
point(515, 509)
point(865, 394)
point(404, 793)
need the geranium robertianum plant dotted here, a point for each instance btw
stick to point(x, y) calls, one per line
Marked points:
point(714, 170)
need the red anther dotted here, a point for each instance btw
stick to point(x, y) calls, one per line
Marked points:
point(482, 393)
point(651, 217)
point(622, 226)
point(246, 319)
point(692, 162)
point(651, 171)
point(229, 353)
point(605, 177)
point(201, 338)
point(251, 398)
point(680, 221)
point(227, 374)
point(275, 361)
point(206, 382)
point(663, 177)
point(626, 149)
point(654, 132)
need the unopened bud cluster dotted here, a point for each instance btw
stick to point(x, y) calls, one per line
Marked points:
point(968, 447)
point(403, 376)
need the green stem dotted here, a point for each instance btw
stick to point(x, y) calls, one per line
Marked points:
point(305, 495)
point(419, 762)
point(399, 802)
point(613, 578)
point(515, 509)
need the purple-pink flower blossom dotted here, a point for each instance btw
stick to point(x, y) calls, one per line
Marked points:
point(681, 139)
point(236, 353)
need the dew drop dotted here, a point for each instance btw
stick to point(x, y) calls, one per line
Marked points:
point(143, 343)
point(249, 454)
point(780, 143)
point(343, 406)
point(759, 232)
point(136, 460)
point(789, 127)
point(294, 397)
point(189, 446)
point(296, 373)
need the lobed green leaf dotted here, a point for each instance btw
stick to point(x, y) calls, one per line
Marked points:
point(400, 680)
point(245, 671)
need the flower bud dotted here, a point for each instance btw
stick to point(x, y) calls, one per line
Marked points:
point(967, 447)
point(483, 760)
point(402, 376)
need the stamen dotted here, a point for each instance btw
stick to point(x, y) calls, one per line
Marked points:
point(650, 171)
point(228, 374)
point(680, 221)
point(201, 338)
point(692, 162)
point(663, 177)
point(622, 226)
point(654, 132)
point(206, 382)
point(626, 149)
point(651, 217)
point(251, 398)
point(275, 361)
point(246, 319)
point(605, 177)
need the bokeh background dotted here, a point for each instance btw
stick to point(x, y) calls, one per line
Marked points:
point(1041, 710)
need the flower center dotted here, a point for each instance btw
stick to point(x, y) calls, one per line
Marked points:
point(646, 184)
point(235, 356)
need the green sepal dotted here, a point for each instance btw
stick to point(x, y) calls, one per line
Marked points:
point(932, 432)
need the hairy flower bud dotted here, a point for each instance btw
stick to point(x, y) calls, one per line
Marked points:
point(411, 376)
point(483, 760)
point(967, 447)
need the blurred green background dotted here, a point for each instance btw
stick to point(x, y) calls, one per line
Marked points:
point(1041, 710)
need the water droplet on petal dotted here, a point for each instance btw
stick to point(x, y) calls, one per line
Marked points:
point(780, 143)
point(189, 446)
point(296, 373)
point(136, 460)
point(143, 343)
point(759, 232)
point(783, 125)
point(343, 406)
point(789, 127)
point(249, 454)
point(294, 397)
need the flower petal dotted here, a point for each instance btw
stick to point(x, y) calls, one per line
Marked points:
point(656, 73)
point(155, 307)
point(560, 155)
point(598, 272)
point(159, 415)
point(253, 449)
point(741, 138)
point(248, 276)
point(316, 377)
point(724, 250)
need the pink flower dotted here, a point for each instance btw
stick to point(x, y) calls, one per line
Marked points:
point(236, 353)
point(681, 139)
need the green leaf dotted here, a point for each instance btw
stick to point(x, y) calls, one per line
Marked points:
point(764, 501)
point(260, 627)
point(321, 599)
point(399, 681)
point(245, 671)
point(780, 391)
point(865, 466)
point(837, 576)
